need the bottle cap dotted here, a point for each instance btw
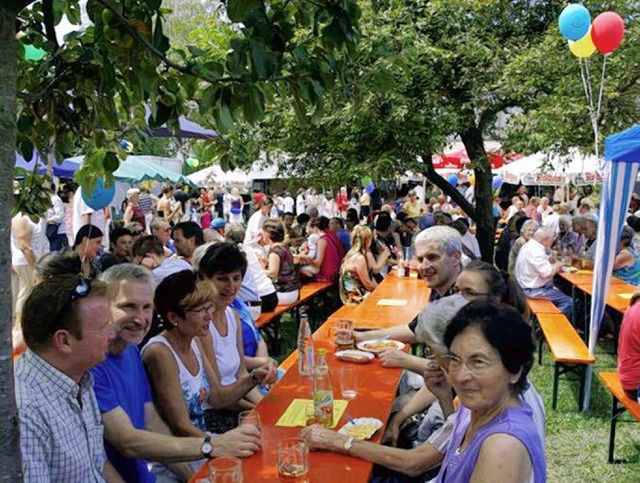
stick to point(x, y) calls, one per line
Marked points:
point(322, 351)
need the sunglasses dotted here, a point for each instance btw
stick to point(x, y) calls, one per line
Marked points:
point(80, 291)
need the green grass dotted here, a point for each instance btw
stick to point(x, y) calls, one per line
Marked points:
point(577, 442)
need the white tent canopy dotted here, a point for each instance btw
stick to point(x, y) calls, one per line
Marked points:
point(260, 169)
point(552, 169)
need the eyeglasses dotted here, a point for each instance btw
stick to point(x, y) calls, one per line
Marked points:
point(476, 366)
point(201, 312)
point(468, 293)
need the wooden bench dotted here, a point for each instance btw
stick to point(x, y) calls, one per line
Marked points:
point(611, 381)
point(307, 293)
point(570, 353)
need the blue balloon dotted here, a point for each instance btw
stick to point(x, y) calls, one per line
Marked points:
point(496, 183)
point(574, 22)
point(453, 180)
point(100, 196)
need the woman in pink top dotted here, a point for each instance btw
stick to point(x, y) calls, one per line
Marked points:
point(329, 252)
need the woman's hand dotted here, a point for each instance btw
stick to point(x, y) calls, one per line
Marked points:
point(392, 358)
point(392, 433)
point(436, 381)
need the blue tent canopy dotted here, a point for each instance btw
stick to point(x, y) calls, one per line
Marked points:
point(624, 146)
point(63, 170)
point(622, 154)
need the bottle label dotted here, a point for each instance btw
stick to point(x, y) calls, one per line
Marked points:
point(323, 403)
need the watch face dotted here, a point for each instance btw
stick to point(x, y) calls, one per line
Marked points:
point(206, 448)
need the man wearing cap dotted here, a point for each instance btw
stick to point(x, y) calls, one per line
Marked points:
point(218, 225)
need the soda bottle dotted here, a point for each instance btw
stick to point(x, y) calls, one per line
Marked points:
point(305, 345)
point(323, 391)
point(400, 265)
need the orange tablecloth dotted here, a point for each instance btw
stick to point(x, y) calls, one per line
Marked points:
point(376, 392)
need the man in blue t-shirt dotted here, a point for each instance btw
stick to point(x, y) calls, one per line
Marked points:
point(134, 432)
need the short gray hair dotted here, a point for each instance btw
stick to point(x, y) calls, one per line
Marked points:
point(434, 319)
point(447, 238)
point(529, 223)
point(544, 232)
point(235, 233)
point(128, 272)
point(199, 252)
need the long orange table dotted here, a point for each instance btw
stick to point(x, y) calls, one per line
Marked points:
point(585, 277)
point(376, 392)
point(370, 315)
point(619, 295)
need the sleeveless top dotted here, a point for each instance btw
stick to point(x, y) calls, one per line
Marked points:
point(236, 206)
point(330, 268)
point(288, 279)
point(138, 215)
point(458, 466)
point(352, 291)
point(195, 389)
point(630, 274)
point(37, 245)
point(226, 349)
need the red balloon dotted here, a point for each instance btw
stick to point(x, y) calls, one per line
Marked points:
point(607, 30)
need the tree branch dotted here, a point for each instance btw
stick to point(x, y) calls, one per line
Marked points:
point(185, 69)
point(47, 11)
point(431, 174)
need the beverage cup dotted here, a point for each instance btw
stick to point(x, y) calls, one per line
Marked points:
point(249, 418)
point(225, 470)
point(342, 332)
point(348, 382)
point(293, 458)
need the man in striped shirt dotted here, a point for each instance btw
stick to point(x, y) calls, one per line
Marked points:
point(66, 323)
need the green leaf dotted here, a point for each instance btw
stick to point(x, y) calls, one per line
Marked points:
point(239, 10)
point(160, 41)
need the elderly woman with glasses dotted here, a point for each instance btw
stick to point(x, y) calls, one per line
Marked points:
point(490, 352)
point(184, 382)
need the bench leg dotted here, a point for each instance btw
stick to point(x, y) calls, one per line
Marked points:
point(540, 341)
point(612, 429)
point(556, 377)
point(583, 376)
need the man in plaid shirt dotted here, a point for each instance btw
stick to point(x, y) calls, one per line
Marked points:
point(67, 326)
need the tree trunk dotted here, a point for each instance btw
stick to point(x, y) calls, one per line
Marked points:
point(474, 144)
point(481, 212)
point(9, 436)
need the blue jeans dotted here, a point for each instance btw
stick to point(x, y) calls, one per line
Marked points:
point(549, 292)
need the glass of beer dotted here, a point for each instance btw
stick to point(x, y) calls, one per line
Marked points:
point(293, 458)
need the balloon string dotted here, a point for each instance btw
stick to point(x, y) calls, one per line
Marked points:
point(586, 78)
point(604, 67)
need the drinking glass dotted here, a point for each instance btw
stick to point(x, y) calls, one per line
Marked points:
point(250, 417)
point(293, 458)
point(226, 470)
point(342, 330)
point(348, 382)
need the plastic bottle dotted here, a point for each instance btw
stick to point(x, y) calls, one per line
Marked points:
point(323, 391)
point(305, 345)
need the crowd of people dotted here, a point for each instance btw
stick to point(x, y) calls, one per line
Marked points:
point(140, 354)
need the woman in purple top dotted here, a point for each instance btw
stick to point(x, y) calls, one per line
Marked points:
point(494, 438)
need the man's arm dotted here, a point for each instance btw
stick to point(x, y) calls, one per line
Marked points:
point(35, 446)
point(418, 402)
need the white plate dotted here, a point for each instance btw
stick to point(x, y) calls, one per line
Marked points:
point(569, 269)
point(375, 423)
point(390, 345)
point(367, 355)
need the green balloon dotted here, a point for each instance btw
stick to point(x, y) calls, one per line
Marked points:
point(33, 53)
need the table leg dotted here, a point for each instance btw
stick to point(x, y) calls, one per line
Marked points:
point(556, 377)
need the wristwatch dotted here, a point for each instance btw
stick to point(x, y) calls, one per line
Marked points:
point(207, 448)
point(348, 443)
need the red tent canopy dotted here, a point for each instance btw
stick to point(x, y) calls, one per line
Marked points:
point(460, 159)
